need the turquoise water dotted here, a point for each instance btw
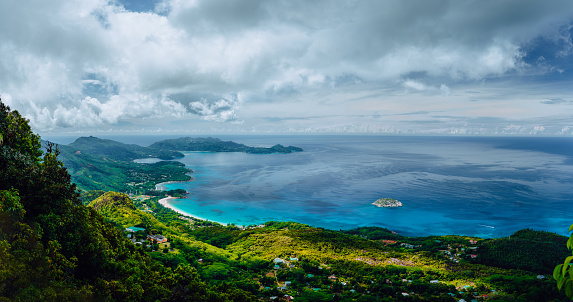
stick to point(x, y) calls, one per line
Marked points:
point(481, 186)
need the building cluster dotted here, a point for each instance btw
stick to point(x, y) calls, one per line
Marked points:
point(159, 239)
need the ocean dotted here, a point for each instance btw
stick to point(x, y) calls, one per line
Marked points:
point(475, 186)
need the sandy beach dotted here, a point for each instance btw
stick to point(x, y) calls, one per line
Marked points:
point(165, 202)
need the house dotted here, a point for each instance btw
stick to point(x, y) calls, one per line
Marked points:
point(540, 277)
point(293, 258)
point(473, 241)
point(157, 238)
point(405, 294)
point(332, 277)
point(278, 260)
point(473, 255)
point(434, 281)
point(287, 283)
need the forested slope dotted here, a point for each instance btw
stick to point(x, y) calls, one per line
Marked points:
point(54, 248)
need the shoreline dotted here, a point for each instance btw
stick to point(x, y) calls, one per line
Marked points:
point(162, 186)
point(165, 203)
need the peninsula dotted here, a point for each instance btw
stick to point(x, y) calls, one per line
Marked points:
point(211, 144)
point(103, 164)
point(387, 203)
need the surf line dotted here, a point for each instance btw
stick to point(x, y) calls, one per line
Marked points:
point(487, 226)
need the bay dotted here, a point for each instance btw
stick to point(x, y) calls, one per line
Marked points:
point(478, 186)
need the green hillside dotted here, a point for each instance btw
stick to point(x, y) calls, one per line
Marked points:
point(119, 209)
point(119, 151)
point(101, 171)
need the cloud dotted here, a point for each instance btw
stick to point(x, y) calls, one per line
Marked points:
point(222, 110)
point(93, 62)
point(412, 85)
point(90, 112)
point(555, 101)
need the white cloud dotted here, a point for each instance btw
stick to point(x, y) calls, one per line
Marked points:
point(222, 110)
point(88, 63)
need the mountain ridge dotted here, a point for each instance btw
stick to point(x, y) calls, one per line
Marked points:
point(211, 144)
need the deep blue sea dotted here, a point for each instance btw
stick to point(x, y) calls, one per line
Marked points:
point(479, 186)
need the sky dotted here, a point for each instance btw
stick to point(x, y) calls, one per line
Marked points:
point(441, 67)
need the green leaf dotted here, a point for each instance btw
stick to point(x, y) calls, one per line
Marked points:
point(561, 282)
point(571, 228)
point(557, 272)
point(570, 243)
point(569, 288)
point(566, 264)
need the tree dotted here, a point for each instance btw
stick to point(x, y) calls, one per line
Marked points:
point(563, 273)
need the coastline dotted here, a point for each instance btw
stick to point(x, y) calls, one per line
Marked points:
point(165, 203)
point(162, 186)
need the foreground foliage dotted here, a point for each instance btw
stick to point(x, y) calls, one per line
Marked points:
point(563, 273)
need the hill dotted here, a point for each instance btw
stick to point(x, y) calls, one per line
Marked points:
point(531, 250)
point(119, 151)
point(113, 168)
point(119, 209)
point(210, 144)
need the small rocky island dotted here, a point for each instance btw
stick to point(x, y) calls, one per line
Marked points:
point(387, 203)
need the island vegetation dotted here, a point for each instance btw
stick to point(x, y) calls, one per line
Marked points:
point(59, 245)
point(387, 203)
point(211, 144)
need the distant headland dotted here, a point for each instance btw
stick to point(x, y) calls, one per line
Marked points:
point(387, 203)
point(211, 144)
